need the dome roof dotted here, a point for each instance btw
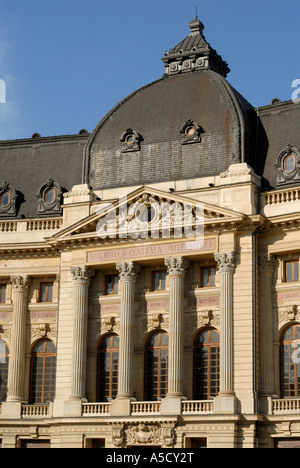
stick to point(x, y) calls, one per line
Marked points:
point(186, 125)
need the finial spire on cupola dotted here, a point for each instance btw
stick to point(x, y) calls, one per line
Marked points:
point(194, 53)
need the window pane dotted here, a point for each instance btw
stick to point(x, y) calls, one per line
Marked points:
point(205, 277)
point(296, 266)
point(213, 277)
point(290, 164)
point(206, 365)
point(163, 280)
point(107, 373)
point(156, 281)
point(50, 292)
point(156, 367)
point(2, 293)
point(44, 293)
point(116, 286)
point(43, 373)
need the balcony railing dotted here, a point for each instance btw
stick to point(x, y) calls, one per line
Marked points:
point(96, 409)
point(141, 408)
point(138, 408)
point(284, 406)
point(36, 411)
point(197, 407)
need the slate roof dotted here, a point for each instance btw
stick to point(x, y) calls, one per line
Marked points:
point(27, 164)
point(278, 125)
point(158, 112)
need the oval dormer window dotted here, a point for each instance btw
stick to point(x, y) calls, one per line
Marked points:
point(5, 199)
point(290, 164)
point(130, 139)
point(50, 196)
point(190, 131)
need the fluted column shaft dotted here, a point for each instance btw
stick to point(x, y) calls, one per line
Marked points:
point(81, 277)
point(177, 267)
point(226, 262)
point(128, 273)
point(16, 370)
point(266, 267)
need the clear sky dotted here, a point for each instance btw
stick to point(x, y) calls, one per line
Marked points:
point(66, 63)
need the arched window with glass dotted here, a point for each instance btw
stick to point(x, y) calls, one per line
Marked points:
point(43, 373)
point(206, 365)
point(4, 360)
point(107, 368)
point(156, 367)
point(290, 362)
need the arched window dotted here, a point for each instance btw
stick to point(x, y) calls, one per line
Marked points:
point(3, 371)
point(290, 362)
point(107, 368)
point(43, 372)
point(206, 367)
point(156, 367)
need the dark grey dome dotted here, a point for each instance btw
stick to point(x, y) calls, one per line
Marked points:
point(156, 116)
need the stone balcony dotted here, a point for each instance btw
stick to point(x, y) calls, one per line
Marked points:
point(283, 406)
point(103, 410)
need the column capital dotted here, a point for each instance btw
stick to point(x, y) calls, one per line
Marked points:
point(266, 264)
point(177, 266)
point(128, 271)
point(226, 262)
point(82, 275)
point(20, 283)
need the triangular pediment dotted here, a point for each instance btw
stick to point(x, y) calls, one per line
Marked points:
point(147, 209)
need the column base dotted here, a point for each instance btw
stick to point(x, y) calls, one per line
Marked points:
point(171, 406)
point(11, 410)
point(121, 406)
point(73, 408)
point(225, 403)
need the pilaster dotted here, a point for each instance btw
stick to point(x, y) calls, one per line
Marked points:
point(82, 276)
point(177, 267)
point(128, 274)
point(226, 400)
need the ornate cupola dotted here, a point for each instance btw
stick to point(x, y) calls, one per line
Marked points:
point(194, 53)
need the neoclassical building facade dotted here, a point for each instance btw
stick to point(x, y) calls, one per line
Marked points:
point(149, 271)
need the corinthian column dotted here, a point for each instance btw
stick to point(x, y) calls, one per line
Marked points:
point(227, 265)
point(16, 370)
point(81, 277)
point(128, 273)
point(177, 267)
point(266, 267)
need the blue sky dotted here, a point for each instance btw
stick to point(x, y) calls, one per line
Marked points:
point(66, 63)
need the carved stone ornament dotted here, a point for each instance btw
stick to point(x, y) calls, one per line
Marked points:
point(20, 284)
point(128, 271)
point(191, 133)
point(157, 321)
point(226, 262)
point(82, 275)
point(5, 333)
point(288, 166)
point(50, 198)
point(266, 264)
point(106, 325)
point(8, 199)
point(287, 314)
point(131, 141)
point(118, 436)
point(144, 434)
point(177, 266)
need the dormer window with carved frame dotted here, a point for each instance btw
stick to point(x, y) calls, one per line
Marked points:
point(49, 196)
point(131, 141)
point(288, 165)
point(191, 133)
point(8, 197)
